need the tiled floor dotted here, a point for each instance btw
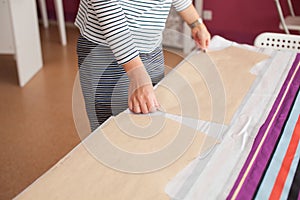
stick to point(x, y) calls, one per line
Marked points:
point(37, 127)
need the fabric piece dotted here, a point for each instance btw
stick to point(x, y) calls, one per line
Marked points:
point(271, 173)
point(142, 150)
point(189, 87)
point(234, 65)
point(267, 136)
point(143, 133)
point(213, 181)
point(81, 176)
point(168, 100)
point(201, 74)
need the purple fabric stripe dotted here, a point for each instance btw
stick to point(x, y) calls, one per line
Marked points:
point(252, 180)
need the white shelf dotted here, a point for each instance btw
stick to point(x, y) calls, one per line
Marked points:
point(20, 36)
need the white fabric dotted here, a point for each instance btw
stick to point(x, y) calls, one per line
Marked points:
point(212, 176)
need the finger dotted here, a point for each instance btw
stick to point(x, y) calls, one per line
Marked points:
point(156, 104)
point(135, 105)
point(152, 103)
point(140, 104)
point(207, 42)
point(201, 41)
point(130, 104)
point(151, 107)
point(144, 108)
point(136, 109)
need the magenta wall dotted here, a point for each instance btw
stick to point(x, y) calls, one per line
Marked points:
point(70, 9)
point(236, 20)
point(242, 21)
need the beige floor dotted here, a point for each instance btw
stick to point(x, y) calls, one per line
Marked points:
point(37, 127)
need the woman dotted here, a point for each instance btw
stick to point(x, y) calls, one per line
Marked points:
point(120, 53)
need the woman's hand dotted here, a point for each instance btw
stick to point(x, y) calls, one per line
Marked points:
point(199, 32)
point(201, 36)
point(141, 97)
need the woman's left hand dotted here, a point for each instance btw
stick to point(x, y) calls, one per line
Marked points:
point(201, 36)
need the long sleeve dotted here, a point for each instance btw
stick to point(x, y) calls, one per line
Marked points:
point(114, 27)
point(180, 5)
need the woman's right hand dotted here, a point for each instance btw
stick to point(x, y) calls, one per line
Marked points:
point(141, 97)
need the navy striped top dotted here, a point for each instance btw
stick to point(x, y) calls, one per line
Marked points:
point(126, 26)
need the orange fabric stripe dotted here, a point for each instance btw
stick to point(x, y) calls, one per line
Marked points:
point(286, 164)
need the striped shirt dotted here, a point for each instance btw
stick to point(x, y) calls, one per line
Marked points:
point(126, 26)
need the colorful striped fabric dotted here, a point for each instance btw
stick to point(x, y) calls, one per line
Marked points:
point(272, 169)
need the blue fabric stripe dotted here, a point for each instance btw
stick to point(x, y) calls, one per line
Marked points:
point(274, 167)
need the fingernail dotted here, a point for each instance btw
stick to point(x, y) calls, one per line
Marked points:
point(152, 109)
